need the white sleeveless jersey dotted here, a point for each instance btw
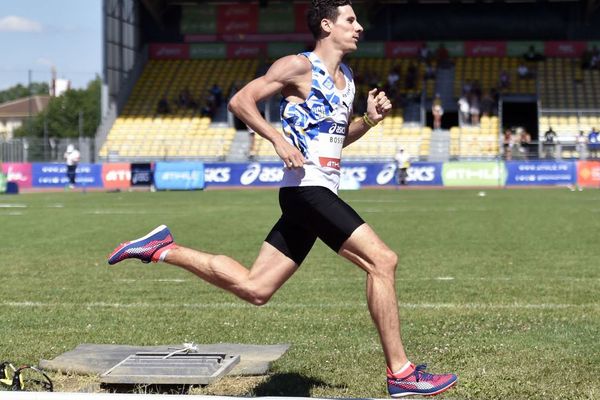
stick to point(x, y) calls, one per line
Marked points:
point(318, 128)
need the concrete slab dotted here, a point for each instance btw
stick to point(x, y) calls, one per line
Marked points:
point(94, 359)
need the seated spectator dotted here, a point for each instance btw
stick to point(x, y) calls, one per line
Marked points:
point(163, 105)
point(524, 72)
point(487, 105)
point(410, 81)
point(216, 91)
point(524, 142)
point(186, 100)
point(474, 109)
point(429, 71)
point(393, 76)
point(463, 110)
point(507, 144)
point(425, 53)
point(549, 142)
point(531, 55)
point(504, 80)
point(209, 108)
point(443, 57)
point(437, 111)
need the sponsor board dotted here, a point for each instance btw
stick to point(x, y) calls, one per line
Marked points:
point(564, 48)
point(246, 50)
point(242, 18)
point(402, 49)
point(179, 175)
point(540, 173)
point(19, 173)
point(588, 173)
point(48, 175)
point(473, 174)
point(485, 49)
point(116, 175)
point(141, 174)
point(169, 51)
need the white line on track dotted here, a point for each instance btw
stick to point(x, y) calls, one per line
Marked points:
point(11, 213)
point(8, 205)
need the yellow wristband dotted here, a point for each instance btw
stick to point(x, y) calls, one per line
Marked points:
point(368, 120)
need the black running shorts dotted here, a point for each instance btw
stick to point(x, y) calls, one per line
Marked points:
point(308, 213)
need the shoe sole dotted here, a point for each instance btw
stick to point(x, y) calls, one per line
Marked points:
point(424, 394)
point(120, 247)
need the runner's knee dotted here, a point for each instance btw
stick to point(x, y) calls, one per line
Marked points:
point(386, 263)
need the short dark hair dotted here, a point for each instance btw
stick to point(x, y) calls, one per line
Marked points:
point(323, 9)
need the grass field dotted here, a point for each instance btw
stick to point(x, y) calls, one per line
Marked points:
point(502, 289)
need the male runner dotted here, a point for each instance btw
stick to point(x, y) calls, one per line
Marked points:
point(318, 92)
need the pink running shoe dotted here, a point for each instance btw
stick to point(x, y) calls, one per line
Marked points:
point(143, 248)
point(419, 382)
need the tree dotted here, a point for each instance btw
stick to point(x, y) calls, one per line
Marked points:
point(19, 91)
point(62, 114)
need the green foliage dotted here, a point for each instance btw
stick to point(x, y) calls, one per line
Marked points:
point(62, 114)
point(19, 91)
point(502, 289)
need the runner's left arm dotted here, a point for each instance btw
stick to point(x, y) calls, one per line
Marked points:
point(378, 106)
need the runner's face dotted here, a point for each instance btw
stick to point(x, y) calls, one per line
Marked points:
point(346, 30)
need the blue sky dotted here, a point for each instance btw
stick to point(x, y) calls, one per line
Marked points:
point(38, 34)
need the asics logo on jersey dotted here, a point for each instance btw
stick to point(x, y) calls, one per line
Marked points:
point(337, 129)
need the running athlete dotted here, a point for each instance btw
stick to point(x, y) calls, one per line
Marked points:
point(318, 92)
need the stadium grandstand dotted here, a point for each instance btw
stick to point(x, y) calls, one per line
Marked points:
point(505, 72)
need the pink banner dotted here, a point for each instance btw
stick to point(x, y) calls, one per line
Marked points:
point(402, 49)
point(250, 38)
point(300, 11)
point(564, 49)
point(19, 173)
point(237, 18)
point(116, 175)
point(177, 51)
point(485, 49)
point(246, 50)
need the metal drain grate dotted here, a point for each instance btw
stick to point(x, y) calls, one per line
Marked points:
point(170, 369)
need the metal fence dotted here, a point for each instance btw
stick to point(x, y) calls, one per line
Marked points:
point(40, 150)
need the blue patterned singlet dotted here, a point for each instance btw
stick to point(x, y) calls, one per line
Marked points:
point(318, 128)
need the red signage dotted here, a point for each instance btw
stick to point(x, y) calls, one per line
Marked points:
point(246, 50)
point(175, 51)
point(564, 49)
point(588, 173)
point(20, 173)
point(116, 175)
point(300, 12)
point(330, 162)
point(485, 49)
point(402, 49)
point(237, 18)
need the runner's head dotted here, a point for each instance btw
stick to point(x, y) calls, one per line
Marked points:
point(327, 10)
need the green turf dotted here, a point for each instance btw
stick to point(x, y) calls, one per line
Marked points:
point(502, 289)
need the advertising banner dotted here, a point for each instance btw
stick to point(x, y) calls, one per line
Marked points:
point(402, 49)
point(277, 18)
point(199, 19)
point(485, 49)
point(473, 174)
point(169, 51)
point(47, 175)
point(19, 173)
point(246, 50)
point(276, 50)
point(116, 175)
point(300, 12)
point(237, 18)
point(179, 175)
point(370, 50)
point(518, 49)
point(564, 49)
point(588, 173)
point(141, 174)
point(455, 49)
point(541, 172)
point(364, 174)
point(208, 51)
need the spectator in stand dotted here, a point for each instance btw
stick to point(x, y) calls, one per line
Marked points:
point(437, 111)
point(549, 143)
point(209, 108)
point(593, 142)
point(463, 110)
point(507, 143)
point(429, 71)
point(216, 91)
point(163, 105)
point(394, 76)
point(425, 54)
point(524, 72)
point(487, 105)
point(474, 109)
point(581, 144)
point(402, 159)
point(442, 56)
point(410, 81)
point(524, 142)
point(531, 55)
point(495, 95)
point(504, 80)
point(186, 100)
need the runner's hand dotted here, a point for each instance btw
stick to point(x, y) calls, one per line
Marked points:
point(291, 156)
point(378, 105)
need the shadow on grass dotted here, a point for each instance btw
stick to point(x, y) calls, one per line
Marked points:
point(290, 384)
